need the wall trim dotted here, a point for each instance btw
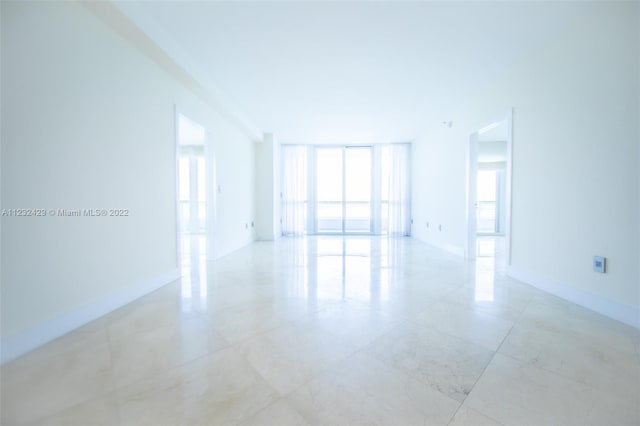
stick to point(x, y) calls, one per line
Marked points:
point(131, 22)
point(19, 344)
point(449, 248)
point(452, 249)
point(607, 307)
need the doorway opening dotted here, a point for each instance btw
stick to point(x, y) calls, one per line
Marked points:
point(193, 198)
point(192, 190)
point(489, 191)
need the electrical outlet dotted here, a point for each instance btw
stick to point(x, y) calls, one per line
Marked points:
point(600, 264)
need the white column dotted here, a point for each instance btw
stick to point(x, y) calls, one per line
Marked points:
point(267, 220)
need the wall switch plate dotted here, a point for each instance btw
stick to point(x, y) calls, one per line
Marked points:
point(599, 264)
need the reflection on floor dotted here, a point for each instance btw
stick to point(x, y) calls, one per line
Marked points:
point(193, 251)
point(491, 246)
point(333, 330)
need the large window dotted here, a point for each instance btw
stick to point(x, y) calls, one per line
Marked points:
point(346, 189)
point(294, 189)
point(343, 188)
point(330, 198)
point(358, 188)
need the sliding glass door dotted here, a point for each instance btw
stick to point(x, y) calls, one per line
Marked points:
point(329, 190)
point(346, 189)
point(357, 183)
point(343, 189)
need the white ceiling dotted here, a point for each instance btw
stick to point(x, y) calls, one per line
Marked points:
point(333, 72)
point(492, 151)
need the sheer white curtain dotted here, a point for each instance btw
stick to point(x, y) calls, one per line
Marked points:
point(399, 191)
point(294, 191)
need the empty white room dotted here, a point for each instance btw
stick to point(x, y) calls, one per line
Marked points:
point(320, 213)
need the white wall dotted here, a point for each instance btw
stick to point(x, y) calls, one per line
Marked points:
point(438, 189)
point(235, 176)
point(88, 122)
point(575, 161)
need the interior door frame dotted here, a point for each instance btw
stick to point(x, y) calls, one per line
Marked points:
point(210, 191)
point(472, 196)
point(472, 185)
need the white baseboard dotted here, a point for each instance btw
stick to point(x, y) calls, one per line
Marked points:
point(610, 308)
point(455, 250)
point(15, 346)
point(449, 248)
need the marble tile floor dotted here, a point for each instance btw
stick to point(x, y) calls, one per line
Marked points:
point(335, 331)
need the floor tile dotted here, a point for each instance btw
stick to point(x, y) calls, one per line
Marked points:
point(101, 411)
point(513, 392)
point(446, 363)
point(353, 321)
point(409, 301)
point(242, 322)
point(554, 314)
point(289, 356)
point(279, 413)
point(145, 354)
point(608, 409)
point(147, 313)
point(218, 389)
point(578, 357)
point(498, 300)
point(467, 324)
point(469, 417)
point(60, 375)
point(363, 390)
